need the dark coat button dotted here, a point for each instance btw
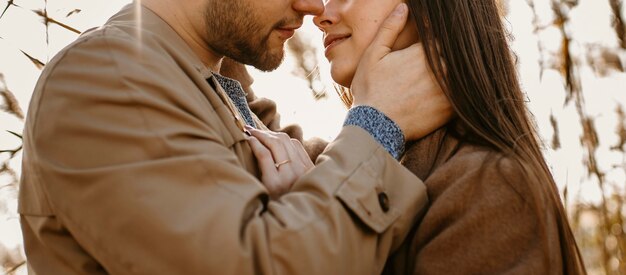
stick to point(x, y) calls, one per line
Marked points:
point(383, 200)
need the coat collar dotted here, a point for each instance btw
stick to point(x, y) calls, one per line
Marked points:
point(149, 23)
point(423, 156)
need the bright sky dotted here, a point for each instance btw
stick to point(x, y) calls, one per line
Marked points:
point(21, 29)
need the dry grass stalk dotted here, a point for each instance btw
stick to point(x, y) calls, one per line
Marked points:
point(603, 59)
point(618, 21)
point(556, 141)
point(609, 217)
point(14, 268)
point(589, 138)
point(567, 66)
point(621, 129)
point(47, 20)
point(307, 64)
point(11, 105)
point(75, 11)
point(9, 4)
point(619, 215)
point(38, 63)
point(536, 29)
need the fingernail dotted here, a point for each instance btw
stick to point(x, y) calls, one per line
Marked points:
point(248, 127)
point(399, 9)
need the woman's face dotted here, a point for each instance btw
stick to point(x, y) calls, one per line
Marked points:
point(349, 27)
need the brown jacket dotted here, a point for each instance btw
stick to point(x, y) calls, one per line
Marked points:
point(133, 164)
point(480, 218)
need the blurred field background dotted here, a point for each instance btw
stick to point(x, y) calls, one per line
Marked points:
point(571, 57)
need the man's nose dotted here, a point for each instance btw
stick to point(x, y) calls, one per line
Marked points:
point(309, 7)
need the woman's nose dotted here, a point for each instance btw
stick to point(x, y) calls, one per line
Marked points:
point(327, 18)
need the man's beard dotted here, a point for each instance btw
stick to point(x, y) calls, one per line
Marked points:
point(234, 31)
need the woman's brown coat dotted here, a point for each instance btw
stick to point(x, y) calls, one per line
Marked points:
point(481, 218)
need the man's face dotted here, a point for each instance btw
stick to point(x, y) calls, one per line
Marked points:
point(254, 31)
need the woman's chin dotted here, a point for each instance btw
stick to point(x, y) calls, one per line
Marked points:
point(345, 84)
point(343, 79)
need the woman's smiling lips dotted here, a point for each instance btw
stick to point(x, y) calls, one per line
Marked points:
point(333, 40)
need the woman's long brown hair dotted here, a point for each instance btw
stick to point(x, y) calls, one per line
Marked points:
point(481, 83)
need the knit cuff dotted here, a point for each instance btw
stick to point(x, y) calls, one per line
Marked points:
point(383, 129)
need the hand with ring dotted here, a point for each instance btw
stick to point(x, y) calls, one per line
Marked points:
point(282, 160)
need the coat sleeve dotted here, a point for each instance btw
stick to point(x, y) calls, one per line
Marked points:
point(140, 175)
point(484, 221)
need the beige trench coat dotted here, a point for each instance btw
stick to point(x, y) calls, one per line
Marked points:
point(134, 165)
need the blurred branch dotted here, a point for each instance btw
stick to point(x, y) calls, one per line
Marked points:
point(603, 59)
point(5, 169)
point(536, 30)
point(44, 14)
point(9, 4)
point(15, 134)
point(7, 185)
point(75, 11)
point(9, 103)
point(306, 64)
point(12, 106)
point(567, 68)
point(15, 268)
point(35, 61)
point(14, 151)
point(38, 63)
point(589, 138)
point(618, 21)
point(47, 20)
point(556, 142)
point(621, 129)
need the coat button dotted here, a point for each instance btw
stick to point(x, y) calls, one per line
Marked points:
point(383, 200)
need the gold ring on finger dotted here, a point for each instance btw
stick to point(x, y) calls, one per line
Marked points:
point(281, 163)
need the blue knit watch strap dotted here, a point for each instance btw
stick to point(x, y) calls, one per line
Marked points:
point(382, 128)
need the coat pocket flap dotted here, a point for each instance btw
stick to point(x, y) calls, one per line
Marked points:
point(365, 196)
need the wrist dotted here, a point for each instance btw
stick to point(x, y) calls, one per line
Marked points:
point(379, 126)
